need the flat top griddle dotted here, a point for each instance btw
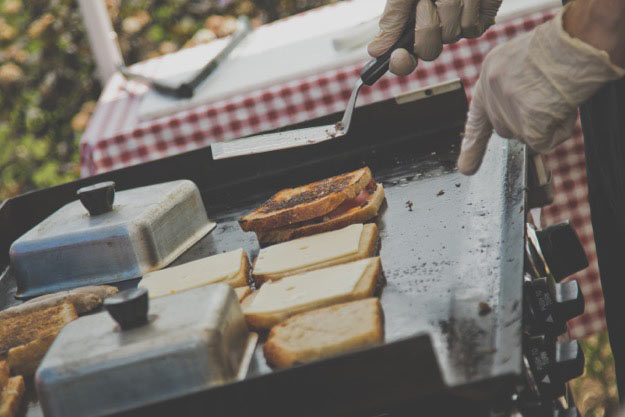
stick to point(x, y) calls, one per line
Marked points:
point(448, 244)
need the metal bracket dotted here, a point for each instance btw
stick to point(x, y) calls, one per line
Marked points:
point(429, 91)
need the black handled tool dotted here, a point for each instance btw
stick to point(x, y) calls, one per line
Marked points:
point(369, 74)
point(187, 88)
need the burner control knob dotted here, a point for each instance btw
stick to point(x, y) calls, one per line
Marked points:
point(569, 361)
point(553, 364)
point(561, 250)
point(551, 305)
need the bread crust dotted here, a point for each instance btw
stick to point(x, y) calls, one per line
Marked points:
point(25, 359)
point(84, 299)
point(306, 202)
point(367, 248)
point(279, 349)
point(4, 374)
point(24, 328)
point(247, 300)
point(240, 279)
point(359, 215)
point(11, 396)
point(365, 288)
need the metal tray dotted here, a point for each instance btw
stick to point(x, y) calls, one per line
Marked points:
point(459, 244)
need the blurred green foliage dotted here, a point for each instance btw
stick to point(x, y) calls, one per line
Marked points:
point(595, 392)
point(48, 85)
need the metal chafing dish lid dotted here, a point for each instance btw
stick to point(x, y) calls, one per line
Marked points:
point(186, 342)
point(107, 237)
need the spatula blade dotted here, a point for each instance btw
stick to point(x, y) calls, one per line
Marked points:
point(275, 141)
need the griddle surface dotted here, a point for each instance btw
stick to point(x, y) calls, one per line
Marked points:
point(442, 257)
point(459, 244)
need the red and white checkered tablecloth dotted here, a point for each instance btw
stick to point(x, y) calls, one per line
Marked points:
point(117, 138)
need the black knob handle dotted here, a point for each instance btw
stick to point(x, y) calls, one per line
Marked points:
point(569, 300)
point(551, 305)
point(539, 355)
point(377, 67)
point(562, 250)
point(553, 364)
point(568, 361)
point(128, 308)
point(541, 360)
point(97, 198)
point(542, 316)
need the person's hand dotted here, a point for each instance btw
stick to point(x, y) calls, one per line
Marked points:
point(530, 88)
point(437, 22)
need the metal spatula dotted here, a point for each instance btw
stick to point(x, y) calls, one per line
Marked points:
point(370, 73)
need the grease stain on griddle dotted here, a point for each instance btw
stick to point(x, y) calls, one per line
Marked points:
point(463, 342)
point(484, 308)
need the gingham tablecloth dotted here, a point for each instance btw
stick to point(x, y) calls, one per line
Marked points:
point(117, 138)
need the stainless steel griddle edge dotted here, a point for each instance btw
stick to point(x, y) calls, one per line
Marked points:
point(460, 243)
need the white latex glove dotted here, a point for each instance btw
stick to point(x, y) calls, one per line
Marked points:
point(530, 88)
point(437, 22)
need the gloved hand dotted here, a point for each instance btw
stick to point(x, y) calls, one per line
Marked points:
point(437, 22)
point(530, 88)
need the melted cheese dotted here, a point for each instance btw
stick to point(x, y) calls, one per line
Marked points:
point(193, 274)
point(317, 287)
point(309, 250)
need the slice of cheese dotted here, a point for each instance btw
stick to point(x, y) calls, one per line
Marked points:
point(309, 250)
point(315, 287)
point(193, 274)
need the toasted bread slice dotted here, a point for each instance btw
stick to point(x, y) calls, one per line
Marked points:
point(84, 299)
point(232, 267)
point(25, 359)
point(279, 300)
point(295, 205)
point(11, 396)
point(4, 374)
point(24, 328)
point(359, 214)
point(351, 243)
point(325, 332)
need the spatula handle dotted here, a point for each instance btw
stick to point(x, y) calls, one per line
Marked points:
point(377, 67)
